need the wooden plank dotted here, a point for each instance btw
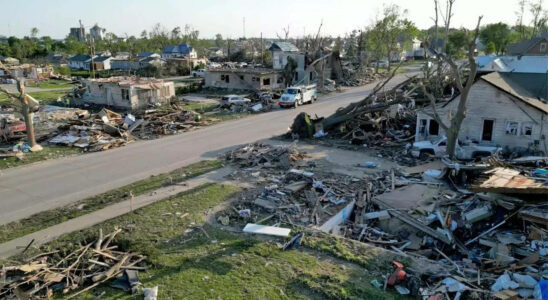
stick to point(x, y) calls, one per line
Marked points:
point(268, 230)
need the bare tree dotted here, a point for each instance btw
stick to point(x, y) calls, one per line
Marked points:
point(28, 105)
point(435, 19)
point(286, 33)
point(447, 21)
point(463, 84)
point(539, 16)
point(520, 14)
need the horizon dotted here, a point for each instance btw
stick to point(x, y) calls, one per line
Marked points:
point(230, 16)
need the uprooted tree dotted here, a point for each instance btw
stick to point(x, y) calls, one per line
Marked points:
point(463, 83)
point(28, 106)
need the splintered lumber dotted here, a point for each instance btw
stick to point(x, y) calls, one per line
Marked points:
point(81, 267)
point(268, 230)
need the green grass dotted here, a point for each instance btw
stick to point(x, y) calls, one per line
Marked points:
point(49, 152)
point(44, 97)
point(52, 84)
point(48, 97)
point(52, 217)
point(186, 264)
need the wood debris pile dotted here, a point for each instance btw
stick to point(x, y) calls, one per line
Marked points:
point(259, 154)
point(65, 272)
point(108, 129)
point(353, 77)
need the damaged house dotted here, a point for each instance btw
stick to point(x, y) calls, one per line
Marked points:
point(507, 110)
point(128, 93)
point(244, 79)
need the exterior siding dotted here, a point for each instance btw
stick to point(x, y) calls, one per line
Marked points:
point(535, 50)
point(213, 80)
point(488, 102)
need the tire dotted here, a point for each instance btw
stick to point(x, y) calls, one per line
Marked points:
point(296, 104)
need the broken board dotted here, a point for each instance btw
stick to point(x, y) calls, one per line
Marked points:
point(268, 230)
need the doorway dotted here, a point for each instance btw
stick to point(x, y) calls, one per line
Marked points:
point(487, 132)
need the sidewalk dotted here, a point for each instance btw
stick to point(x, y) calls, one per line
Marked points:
point(43, 236)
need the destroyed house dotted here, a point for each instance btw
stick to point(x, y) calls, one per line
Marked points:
point(244, 79)
point(507, 110)
point(32, 72)
point(128, 93)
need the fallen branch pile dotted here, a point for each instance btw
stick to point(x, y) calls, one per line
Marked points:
point(84, 268)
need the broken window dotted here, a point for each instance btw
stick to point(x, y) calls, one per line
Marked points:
point(242, 77)
point(527, 129)
point(434, 128)
point(512, 128)
point(125, 94)
point(422, 127)
point(279, 80)
point(266, 81)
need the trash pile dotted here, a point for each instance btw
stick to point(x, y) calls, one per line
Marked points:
point(108, 129)
point(354, 77)
point(490, 234)
point(65, 271)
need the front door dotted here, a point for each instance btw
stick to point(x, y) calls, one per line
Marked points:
point(487, 132)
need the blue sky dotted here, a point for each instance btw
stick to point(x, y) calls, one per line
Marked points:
point(55, 17)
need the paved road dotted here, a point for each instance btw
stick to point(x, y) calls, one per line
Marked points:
point(30, 189)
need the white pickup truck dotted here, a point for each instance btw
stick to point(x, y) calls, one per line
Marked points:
point(439, 148)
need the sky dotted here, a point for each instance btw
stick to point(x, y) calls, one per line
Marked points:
point(54, 17)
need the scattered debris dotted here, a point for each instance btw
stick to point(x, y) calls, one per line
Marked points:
point(67, 271)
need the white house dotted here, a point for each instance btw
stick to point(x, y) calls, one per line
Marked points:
point(508, 110)
point(128, 92)
point(79, 62)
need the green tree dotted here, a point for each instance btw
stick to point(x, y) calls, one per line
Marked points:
point(219, 40)
point(457, 43)
point(490, 48)
point(498, 34)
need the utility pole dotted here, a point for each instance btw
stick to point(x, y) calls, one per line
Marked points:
point(244, 27)
point(92, 54)
point(262, 49)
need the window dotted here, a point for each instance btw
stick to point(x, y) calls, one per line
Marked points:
point(279, 80)
point(422, 127)
point(125, 94)
point(266, 81)
point(512, 128)
point(227, 79)
point(434, 128)
point(542, 47)
point(527, 129)
point(242, 77)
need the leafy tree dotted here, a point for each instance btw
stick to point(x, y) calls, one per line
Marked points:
point(490, 48)
point(457, 43)
point(498, 34)
point(219, 40)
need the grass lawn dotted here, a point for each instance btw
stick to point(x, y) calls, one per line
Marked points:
point(49, 152)
point(51, 84)
point(185, 263)
point(48, 97)
point(55, 216)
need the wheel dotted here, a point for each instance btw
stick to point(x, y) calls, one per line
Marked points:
point(296, 104)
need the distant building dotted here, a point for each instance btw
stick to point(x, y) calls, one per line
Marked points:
point(244, 79)
point(102, 62)
point(147, 54)
point(79, 33)
point(179, 51)
point(128, 92)
point(537, 46)
point(97, 33)
point(32, 72)
point(79, 62)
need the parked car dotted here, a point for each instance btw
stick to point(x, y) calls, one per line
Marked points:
point(241, 65)
point(381, 63)
point(439, 148)
point(298, 95)
point(198, 73)
point(230, 100)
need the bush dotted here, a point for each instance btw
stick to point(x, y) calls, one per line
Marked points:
point(191, 88)
point(62, 70)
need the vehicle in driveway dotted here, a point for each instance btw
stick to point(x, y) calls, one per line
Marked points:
point(298, 95)
point(439, 148)
point(381, 63)
point(198, 73)
point(231, 100)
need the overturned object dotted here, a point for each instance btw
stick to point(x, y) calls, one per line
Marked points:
point(268, 230)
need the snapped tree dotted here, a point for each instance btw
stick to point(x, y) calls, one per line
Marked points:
point(463, 83)
point(28, 106)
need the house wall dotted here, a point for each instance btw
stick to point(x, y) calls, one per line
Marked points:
point(487, 102)
point(249, 81)
point(110, 94)
point(78, 65)
point(535, 50)
point(123, 65)
point(143, 97)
